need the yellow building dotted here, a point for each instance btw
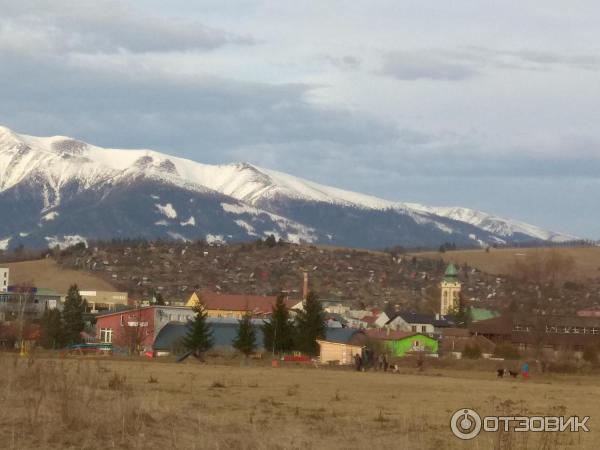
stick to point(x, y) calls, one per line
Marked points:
point(450, 291)
point(235, 305)
point(104, 300)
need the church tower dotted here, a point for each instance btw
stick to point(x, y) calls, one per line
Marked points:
point(450, 291)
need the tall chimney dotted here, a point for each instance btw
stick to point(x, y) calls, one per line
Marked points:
point(305, 286)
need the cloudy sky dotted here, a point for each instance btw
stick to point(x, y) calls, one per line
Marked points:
point(489, 105)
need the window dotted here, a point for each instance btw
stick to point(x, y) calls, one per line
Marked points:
point(594, 330)
point(423, 328)
point(576, 330)
point(122, 320)
point(414, 328)
point(106, 335)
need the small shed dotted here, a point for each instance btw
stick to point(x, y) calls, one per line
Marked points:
point(341, 345)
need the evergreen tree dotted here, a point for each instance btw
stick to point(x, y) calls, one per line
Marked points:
point(199, 338)
point(52, 329)
point(159, 299)
point(73, 315)
point(310, 325)
point(462, 313)
point(270, 242)
point(278, 331)
point(245, 342)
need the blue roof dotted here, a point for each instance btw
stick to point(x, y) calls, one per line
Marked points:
point(224, 333)
point(341, 335)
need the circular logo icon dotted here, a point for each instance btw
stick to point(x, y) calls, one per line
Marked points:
point(465, 424)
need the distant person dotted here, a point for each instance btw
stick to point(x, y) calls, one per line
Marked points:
point(385, 363)
point(358, 362)
point(525, 371)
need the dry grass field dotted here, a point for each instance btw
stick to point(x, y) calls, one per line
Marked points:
point(46, 273)
point(73, 403)
point(498, 261)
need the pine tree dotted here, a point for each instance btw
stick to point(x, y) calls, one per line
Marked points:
point(278, 331)
point(462, 314)
point(159, 299)
point(52, 329)
point(199, 338)
point(310, 325)
point(245, 342)
point(73, 315)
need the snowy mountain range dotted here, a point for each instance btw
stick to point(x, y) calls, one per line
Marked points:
point(59, 191)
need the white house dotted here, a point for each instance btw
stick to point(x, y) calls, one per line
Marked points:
point(4, 272)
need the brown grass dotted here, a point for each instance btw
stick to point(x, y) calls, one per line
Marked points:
point(46, 273)
point(498, 261)
point(53, 403)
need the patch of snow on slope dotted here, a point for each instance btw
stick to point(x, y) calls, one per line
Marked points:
point(167, 210)
point(161, 223)
point(190, 222)
point(178, 236)
point(4, 243)
point(50, 216)
point(215, 239)
point(240, 209)
point(65, 241)
point(246, 226)
point(23, 234)
point(497, 225)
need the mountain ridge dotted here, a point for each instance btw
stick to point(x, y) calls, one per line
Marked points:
point(58, 172)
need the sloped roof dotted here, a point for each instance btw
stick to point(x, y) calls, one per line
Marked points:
point(451, 273)
point(258, 304)
point(412, 317)
point(341, 335)
point(388, 335)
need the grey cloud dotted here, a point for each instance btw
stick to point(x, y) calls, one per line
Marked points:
point(103, 27)
point(465, 63)
point(345, 62)
point(432, 65)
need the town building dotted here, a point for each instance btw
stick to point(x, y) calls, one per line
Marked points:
point(414, 322)
point(450, 291)
point(169, 339)
point(4, 279)
point(401, 343)
point(135, 329)
point(455, 340)
point(104, 300)
point(28, 303)
point(237, 305)
point(551, 333)
point(341, 345)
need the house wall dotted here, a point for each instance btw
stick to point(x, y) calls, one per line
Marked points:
point(401, 325)
point(104, 299)
point(412, 343)
point(165, 314)
point(126, 327)
point(4, 279)
point(333, 351)
point(381, 320)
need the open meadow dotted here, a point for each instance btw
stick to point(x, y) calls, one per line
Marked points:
point(81, 403)
point(46, 273)
point(498, 261)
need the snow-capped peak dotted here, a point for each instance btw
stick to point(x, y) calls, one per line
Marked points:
point(55, 162)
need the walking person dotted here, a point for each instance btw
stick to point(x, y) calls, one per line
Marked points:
point(525, 371)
